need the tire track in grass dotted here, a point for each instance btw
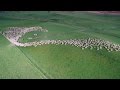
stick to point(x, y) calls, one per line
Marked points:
point(45, 75)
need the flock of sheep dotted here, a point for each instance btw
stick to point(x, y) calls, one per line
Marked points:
point(83, 43)
point(15, 33)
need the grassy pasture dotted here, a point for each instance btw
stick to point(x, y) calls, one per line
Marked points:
point(14, 64)
point(60, 61)
point(55, 32)
point(72, 62)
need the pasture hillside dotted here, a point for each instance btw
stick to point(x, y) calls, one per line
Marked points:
point(14, 64)
point(60, 61)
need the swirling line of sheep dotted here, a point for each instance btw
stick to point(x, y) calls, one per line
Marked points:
point(14, 33)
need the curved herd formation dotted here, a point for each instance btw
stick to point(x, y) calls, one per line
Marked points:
point(14, 33)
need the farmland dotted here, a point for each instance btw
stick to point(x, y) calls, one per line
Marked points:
point(60, 61)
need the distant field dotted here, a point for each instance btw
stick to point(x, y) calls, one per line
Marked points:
point(60, 61)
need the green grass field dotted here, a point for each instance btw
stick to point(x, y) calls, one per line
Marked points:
point(60, 61)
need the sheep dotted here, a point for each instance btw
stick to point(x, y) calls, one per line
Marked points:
point(16, 32)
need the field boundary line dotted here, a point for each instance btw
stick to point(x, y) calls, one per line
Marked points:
point(36, 66)
point(43, 75)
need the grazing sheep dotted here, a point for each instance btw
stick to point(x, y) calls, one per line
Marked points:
point(14, 33)
point(35, 34)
